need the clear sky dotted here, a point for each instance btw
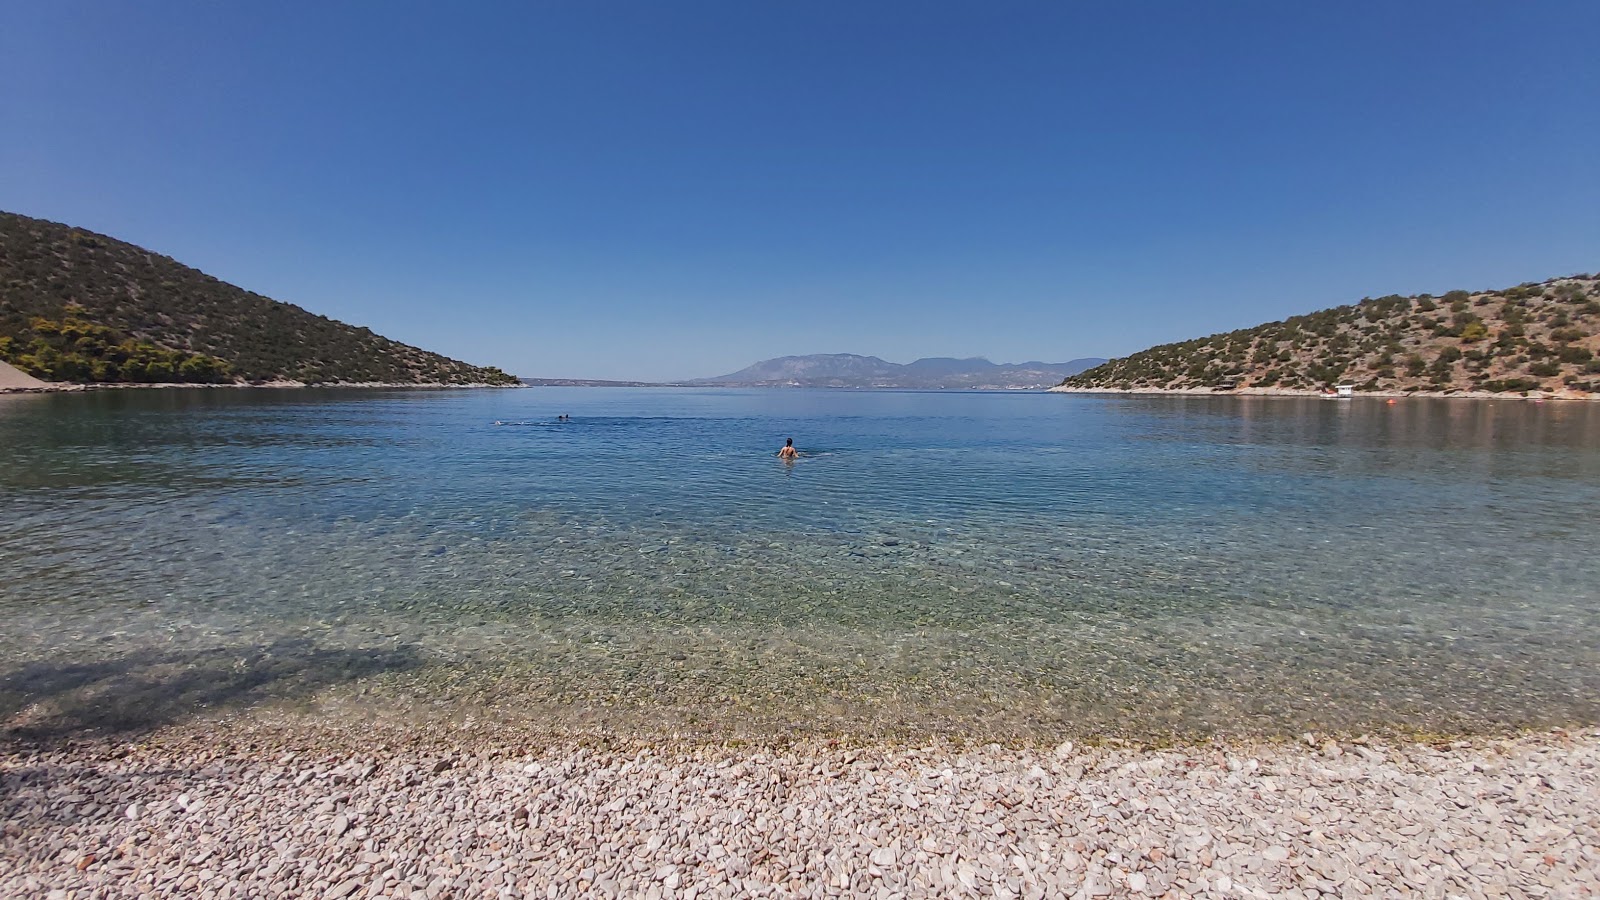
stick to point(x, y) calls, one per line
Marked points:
point(666, 190)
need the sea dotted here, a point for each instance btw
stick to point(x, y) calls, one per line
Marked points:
point(1010, 566)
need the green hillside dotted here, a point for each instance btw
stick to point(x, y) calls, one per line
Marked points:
point(83, 307)
point(1533, 337)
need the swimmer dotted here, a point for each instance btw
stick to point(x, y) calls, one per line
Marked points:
point(788, 453)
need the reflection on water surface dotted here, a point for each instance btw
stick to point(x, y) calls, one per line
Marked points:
point(967, 564)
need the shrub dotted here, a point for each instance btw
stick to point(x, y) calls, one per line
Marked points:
point(1511, 384)
point(75, 350)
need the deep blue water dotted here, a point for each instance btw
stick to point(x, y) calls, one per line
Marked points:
point(1007, 564)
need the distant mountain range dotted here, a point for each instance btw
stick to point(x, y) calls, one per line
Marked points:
point(848, 370)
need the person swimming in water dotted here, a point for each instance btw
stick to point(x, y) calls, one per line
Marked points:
point(788, 453)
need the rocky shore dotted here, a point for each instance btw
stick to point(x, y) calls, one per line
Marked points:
point(49, 387)
point(13, 379)
point(246, 811)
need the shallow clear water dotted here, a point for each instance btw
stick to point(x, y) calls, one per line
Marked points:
point(1009, 565)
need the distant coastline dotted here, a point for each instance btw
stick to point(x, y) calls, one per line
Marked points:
point(595, 382)
point(773, 385)
point(850, 370)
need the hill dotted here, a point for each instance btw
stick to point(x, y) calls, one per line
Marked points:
point(83, 307)
point(1534, 337)
point(817, 367)
point(848, 370)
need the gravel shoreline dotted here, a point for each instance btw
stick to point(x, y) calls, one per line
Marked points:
point(60, 387)
point(245, 811)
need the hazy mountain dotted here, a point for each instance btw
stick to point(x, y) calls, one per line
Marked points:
point(848, 370)
point(945, 366)
point(80, 306)
point(1541, 336)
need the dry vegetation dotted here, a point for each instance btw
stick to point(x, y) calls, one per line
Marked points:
point(1533, 337)
point(79, 306)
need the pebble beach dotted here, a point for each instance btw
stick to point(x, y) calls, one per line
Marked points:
point(243, 811)
point(290, 645)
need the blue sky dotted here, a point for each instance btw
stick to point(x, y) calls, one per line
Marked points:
point(668, 190)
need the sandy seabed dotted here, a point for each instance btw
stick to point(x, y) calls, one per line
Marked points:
point(246, 811)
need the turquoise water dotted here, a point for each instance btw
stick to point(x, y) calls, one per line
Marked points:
point(977, 565)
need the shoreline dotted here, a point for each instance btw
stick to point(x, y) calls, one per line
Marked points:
point(67, 388)
point(1288, 392)
point(352, 811)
